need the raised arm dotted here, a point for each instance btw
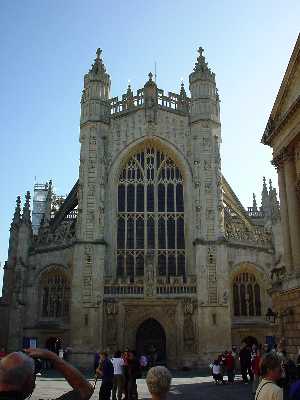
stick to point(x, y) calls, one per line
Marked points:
point(71, 374)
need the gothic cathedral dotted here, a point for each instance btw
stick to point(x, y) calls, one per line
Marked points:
point(151, 248)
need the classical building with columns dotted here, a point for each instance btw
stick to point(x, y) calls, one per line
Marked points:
point(282, 133)
point(151, 249)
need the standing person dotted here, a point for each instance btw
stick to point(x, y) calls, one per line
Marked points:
point(298, 364)
point(255, 365)
point(105, 371)
point(216, 372)
point(143, 364)
point(61, 353)
point(2, 353)
point(222, 359)
point(125, 357)
point(229, 362)
point(294, 393)
point(134, 372)
point(266, 349)
point(235, 355)
point(245, 361)
point(118, 382)
point(96, 360)
point(271, 372)
point(158, 381)
point(57, 346)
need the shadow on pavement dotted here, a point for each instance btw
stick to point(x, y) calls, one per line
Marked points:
point(210, 391)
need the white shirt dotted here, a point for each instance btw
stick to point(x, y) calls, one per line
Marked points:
point(216, 369)
point(118, 364)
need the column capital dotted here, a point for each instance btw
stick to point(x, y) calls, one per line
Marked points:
point(284, 155)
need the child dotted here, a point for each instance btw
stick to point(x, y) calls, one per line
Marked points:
point(216, 372)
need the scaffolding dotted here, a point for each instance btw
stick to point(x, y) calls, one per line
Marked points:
point(40, 192)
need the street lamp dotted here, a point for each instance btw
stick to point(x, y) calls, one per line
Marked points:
point(271, 315)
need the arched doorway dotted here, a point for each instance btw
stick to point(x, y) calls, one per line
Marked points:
point(151, 340)
point(250, 341)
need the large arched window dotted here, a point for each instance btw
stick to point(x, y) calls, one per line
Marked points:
point(55, 294)
point(246, 295)
point(150, 215)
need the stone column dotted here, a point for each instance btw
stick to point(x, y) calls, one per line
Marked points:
point(284, 219)
point(293, 210)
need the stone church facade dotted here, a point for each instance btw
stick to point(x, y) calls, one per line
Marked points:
point(151, 248)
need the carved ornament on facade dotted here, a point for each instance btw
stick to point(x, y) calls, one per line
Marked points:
point(280, 158)
point(297, 187)
point(111, 308)
point(189, 306)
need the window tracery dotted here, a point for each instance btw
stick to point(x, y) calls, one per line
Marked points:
point(55, 294)
point(246, 295)
point(150, 215)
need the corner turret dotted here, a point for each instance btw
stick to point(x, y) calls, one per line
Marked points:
point(204, 95)
point(96, 93)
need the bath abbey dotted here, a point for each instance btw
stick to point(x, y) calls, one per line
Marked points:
point(151, 248)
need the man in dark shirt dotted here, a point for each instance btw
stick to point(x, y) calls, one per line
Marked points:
point(17, 376)
point(245, 361)
point(106, 372)
point(134, 372)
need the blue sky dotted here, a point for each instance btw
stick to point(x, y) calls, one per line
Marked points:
point(47, 46)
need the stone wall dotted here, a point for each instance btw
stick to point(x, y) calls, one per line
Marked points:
point(4, 323)
point(287, 304)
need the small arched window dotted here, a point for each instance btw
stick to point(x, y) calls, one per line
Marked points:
point(55, 294)
point(246, 295)
point(236, 299)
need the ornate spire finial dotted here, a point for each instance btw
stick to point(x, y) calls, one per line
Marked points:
point(98, 53)
point(98, 67)
point(200, 51)
point(270, 186)
point(26, 209)
point(264, 183)
point(182, 89)
point(17, 213)
point(150, 76)
point(254, 203)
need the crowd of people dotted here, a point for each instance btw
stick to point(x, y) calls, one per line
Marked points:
point(252, 362)
point(120, 372)
point(273, 375)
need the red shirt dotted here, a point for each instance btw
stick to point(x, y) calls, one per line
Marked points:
point(229, 362)
point(256, 365)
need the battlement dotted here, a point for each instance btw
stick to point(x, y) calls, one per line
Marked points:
point(129, 102)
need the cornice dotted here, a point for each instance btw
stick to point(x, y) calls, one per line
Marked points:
point(284, 155)
point(274, 127)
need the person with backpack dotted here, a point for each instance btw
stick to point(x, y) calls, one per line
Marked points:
point(105, 371)
point(271, 372)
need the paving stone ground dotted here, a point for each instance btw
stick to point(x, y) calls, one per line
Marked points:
point(186, 388)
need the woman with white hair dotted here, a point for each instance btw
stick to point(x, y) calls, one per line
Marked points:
point(158, 381)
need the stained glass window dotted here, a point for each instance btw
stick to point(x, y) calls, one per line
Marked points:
point(150, 215)
point(55, 294)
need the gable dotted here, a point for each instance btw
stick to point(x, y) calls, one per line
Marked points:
point(291, 91)
point(288, 96)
